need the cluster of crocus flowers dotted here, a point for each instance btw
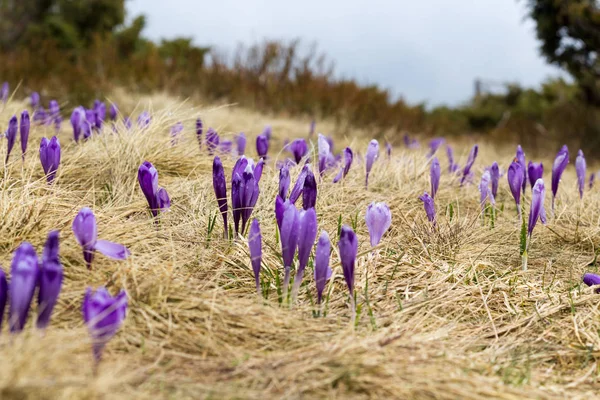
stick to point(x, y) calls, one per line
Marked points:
point(558, 167)
point(536, 212)
point(470, 161)
point(244, 191)
point(515, 182)
point(28, 274)
point(372, 154)
point(103, 315)
point(50, 157)
point(85, 230)
point(379, 220)
point(157, 197)
point(345, 168)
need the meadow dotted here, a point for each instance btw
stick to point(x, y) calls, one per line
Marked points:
point(443, 312)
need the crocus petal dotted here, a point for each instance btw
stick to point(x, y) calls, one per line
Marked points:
point(322, 269)
point(537, 204)
point(469, 164)
point(85, 228)
point(592, 280)
point(495, 177)
point(289, 235)
point(379, 220)
point(535, 171)
point(580, 168)
point(520, 158)
point(50, 280)
point(309, 192)
point(24, 273)
point(307, 233)
point(255, 246)
point(558, 167)
point(3, 295)
point(515, 181)
point(434, 174)
point(112, 250)
point(429, 205)
point(372, 154)
point(348, 248)
point(284, 181)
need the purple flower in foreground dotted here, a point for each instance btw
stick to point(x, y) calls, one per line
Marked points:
point(559, 166)
point(591, 182)
point(379, 220)
point(212, 140)
point(515, 182)
point(348, 156)
point(24, 272)
point(11, 135)
point(50, 280)
point(535, 171)
point(469, 164)
point(288, 235)
point(86, 234)
point(429, 206)
point(322, 269)
point(307, 233)
point(372, 155)
point(199, 128)
point(255, 246)
point(220, 187)
point(24, 127)
point(50, 157)
point(485, 191)
point(309, 192)
point(113, 112)
point(262, 146)
point(434, 175)
point(299, 149)
point(537, 206)
point(348, 248)
point(284, 182)
point(4, 92)
point(240, 142)
point(34, 100)
point(103, 315)
point(520, 157)
point(3, 295)
point(592, 280)
point(495, 177)
point(158, 198)
point(580, 168)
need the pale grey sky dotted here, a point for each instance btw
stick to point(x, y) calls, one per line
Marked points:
point(422, 50)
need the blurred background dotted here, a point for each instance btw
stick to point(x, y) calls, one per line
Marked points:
point(525, 71)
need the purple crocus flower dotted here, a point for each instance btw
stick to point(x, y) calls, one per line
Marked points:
point(379, 220)
point(521, 160)
point(280, 207)
point(429, 205)
point(485, 191)
point(580, 168)
point(220, 187)
point(324, 149)
point(144, 120)
point(434, 145)
point(284, 181)
point(495, 176)
point(50, 157)
point(212, 140)
point(24, 272)
point(34, 100)
point(24, 131)
point(535, 171)
point(4, 92)
point(157, 197)
point(288, 234)
point(3, 295)
point(299, 185)
point(590, 280)
point(591, 182)
point(469, 164)
point(372, 155)
point(244, 191)
point(515, 182)
point(299, 149)
point(434, 175)
point(11, 135)
point(348, 156)
point(77, 119)
point(240, 142)
point(537, 206)
point(86, 234)
point(309, 192)
point(103, 315)
point(255, 246)
point(50, 280)
point(199, 128)
point(262, 146)
point(113, 112)
point(559, 166)
point(348, 248)
point(307, 233)
point(322, 270)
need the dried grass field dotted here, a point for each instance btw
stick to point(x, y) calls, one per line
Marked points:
point(447, 313)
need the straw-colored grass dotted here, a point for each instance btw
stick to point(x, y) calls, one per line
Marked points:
point(453, 315)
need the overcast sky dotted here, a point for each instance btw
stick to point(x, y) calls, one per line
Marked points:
point(422, 50)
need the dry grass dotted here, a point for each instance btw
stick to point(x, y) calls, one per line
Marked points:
point(453, 314)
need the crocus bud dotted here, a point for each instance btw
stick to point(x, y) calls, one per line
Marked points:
point(220, 187)
point(307, 233)
point(86, 233)
point(592, 280)
point(11, 135)
point(434, 175)
point(24, 277)
point(50, 157)
point(323, 149)
point(535, 171)
point(3, 295)
point(255, 246)
point(309, 193)
point(240, 142)
point(299, 185)
point(429, 206)
point(515, 182)
point(24, 130)
point(372, 154)
point(348, 156)
point(289, 240)
point(520, 157)
point(158, 198)
point(76, 121)
point(262, 146)
point(322, 269)
point(580, 168)
point(284, 182)
point(4, 92)
point(35, 100)
point(560, 164)
point(484, 189)
point(298, 148)
point(469, 164)
point(212, 140)
point(103, 315)
point(537, 206)
point(379, 220)
point(495, 176)
point(199, 128)
point(280, 207)
point(348, 248)
point(50, 281)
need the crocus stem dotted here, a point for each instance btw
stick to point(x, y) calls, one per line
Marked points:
point(520, 213)
point(296, 286)
point(353, 309)
point(524, 256)
point(286, 282)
